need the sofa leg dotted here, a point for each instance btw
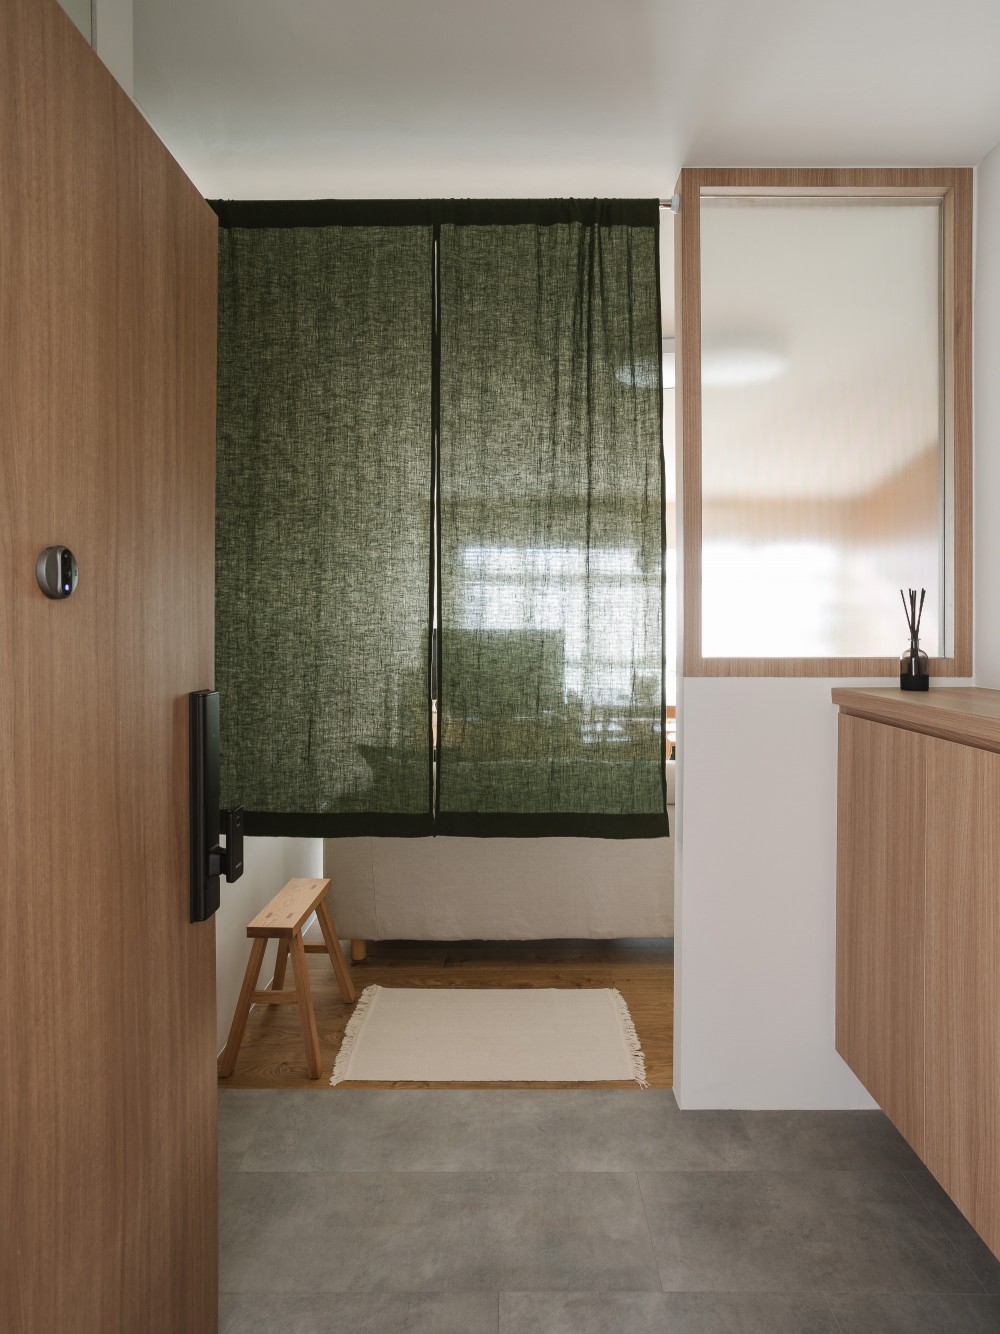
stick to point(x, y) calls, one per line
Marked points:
point(359, 951)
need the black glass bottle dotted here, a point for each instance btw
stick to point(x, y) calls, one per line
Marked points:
point(914, 671)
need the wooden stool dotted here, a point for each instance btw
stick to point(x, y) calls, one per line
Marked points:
point(282, 920)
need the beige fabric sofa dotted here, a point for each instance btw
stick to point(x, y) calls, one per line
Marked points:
point(502, 888)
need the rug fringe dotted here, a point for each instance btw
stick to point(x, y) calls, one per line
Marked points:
point(351, 1034)
point(631, 1039)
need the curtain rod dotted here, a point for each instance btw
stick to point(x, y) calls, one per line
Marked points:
point(673, 204)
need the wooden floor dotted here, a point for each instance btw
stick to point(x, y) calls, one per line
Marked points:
point(272, 1055)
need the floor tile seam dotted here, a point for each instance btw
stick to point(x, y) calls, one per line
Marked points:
point(825, 1294)
point(500, 1169)
point(828, 1295)
point(818, 1294)
point(836, 1293)
point(741, 1294)
point(365, 1292)
point(533, 1172)
point(982, 1289)
point(833, 1314)
point(831, 1293)
point(383, 1291)
point(649, 1232)
point(772, 1171)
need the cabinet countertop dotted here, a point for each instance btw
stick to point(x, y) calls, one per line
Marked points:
point(967, 714)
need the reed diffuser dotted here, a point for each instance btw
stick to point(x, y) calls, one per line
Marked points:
point(913, 664)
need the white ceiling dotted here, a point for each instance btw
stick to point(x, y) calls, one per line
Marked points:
point(442, 98)
point(557, 98)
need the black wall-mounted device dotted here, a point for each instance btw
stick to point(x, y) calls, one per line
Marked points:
point(56, 571)
point(209, 860)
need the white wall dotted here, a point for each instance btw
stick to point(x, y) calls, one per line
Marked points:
point(107, 26)
point(112, 38)
point(755, 906)
point(756, 843)
point(987, 423)
point(80, 12)
point(269, 863)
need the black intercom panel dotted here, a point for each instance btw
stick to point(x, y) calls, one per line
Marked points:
point(209, 860)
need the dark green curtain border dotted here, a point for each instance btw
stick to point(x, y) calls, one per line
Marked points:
point(558, 824)
point(327, 824)
point(453, 824)
point(252, 213)
point(290, 213)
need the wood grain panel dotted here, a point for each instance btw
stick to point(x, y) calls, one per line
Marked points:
point(954, 185)
point(957, 315)
point(967, 714)
point(880, 916)
point(963, 980)
point(107, 424)
point(687, 406)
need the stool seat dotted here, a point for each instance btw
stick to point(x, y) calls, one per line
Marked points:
point(282, 920)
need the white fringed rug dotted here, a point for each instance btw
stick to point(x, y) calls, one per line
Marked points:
point(497, 1036)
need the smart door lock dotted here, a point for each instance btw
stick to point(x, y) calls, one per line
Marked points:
point(209, 860)
point(56, 571)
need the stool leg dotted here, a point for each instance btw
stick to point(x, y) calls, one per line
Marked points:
point(280, 961)
point(307, 1015)
point(359, 951)
point(228, 1064)
point(335, 952)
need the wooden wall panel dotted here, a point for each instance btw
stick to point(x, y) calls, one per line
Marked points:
point(107, 430)
point(880, 916)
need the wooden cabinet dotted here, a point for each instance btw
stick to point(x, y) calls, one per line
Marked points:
point(918, 926)
point(962, 989)
point(880, 916)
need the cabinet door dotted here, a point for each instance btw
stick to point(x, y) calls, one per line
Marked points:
point(880, 916)
point(963, 980)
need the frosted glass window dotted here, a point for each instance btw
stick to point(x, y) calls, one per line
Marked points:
point(824, 485)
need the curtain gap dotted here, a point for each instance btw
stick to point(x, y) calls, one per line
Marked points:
point(434, 650)
point(664, 750)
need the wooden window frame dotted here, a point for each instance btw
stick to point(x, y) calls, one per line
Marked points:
point(954, 187)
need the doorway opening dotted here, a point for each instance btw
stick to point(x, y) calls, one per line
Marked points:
point(550, 913)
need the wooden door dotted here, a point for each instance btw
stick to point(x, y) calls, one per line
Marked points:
point(107, 1001)
point(880, 916)
point(963, 980)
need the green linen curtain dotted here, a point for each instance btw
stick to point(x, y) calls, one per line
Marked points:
point(323, 561)
point(450, 405)
point(551, 514)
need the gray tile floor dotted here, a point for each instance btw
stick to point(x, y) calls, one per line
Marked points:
point(575, 1212)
